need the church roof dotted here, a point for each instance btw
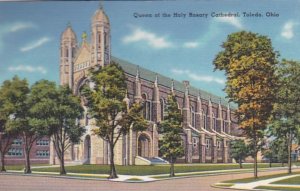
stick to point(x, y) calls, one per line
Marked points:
point(149, 75)
point(100, 15)
point(69, 33)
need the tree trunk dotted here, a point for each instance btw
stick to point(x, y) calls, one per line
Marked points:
point(27, 162)
point(240, 162)
point(270, 163)
point(172, 172)
point(290, 154)
point(113, 172)
point(62, 164)
point(255, 158)
point(2, 163)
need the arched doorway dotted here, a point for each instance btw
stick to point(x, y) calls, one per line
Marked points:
point(87, 149)
point(144, 146)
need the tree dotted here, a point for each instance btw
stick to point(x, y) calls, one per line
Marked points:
point(171, 128)
point(10, 93)
point(286, 113)
point(20, 117)
point(249, 62)
point(106, 105)
point(65, 130)
point(276, 151)
point(39, 101)
point(239, 151)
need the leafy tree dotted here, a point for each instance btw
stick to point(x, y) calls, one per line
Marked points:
point(39, 102)
point(281, 151)
point(63, 114)
point(10, 93)
point(171, 128)
point(106, 105)
point(286, 113)
point(239, 151)
point(276, 151)
point(249, 62)
point(270, 153)
point(20, 117)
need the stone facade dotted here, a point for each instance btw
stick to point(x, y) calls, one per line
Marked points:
point(208, 120)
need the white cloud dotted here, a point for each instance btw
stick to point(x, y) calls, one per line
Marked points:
point(232, 21)
point(15, 27)
point(27, 68)
point(35, 44)
point(288, 29)
point(190, 44)
point(140, 35)
point(197, 77)
point(8, 28)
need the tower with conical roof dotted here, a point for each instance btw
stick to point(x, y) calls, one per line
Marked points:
point(100, 38)
point(68, 46)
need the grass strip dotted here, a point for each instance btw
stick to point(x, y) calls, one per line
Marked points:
point(277, 188)
point(21, 167)
point(294, 180)
point(149, 170)
point(224, 184)
point(72, 175)
point(251, 179)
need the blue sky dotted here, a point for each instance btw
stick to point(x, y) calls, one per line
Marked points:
point(181, 48)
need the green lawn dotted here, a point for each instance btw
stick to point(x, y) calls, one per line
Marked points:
point(21, 167)
point(277, 188)
point(149, 170)
point(251, 179)
point(294, 180)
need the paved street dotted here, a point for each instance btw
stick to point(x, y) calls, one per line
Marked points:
point(32, 183)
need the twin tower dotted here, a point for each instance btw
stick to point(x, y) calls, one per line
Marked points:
point(76, 58)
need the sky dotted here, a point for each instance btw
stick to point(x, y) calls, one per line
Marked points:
point(152, 34)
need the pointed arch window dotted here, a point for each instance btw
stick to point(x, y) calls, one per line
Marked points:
point(203, 120)
point(147, 114)
point(105, 39)
point(214, 122)
point(193, 117)
point(99, 40)
point(162, 108)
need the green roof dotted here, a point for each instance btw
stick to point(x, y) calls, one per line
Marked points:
point(149, 75)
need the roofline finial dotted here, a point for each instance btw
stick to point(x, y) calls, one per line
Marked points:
point(137, 72)
point(69, 24)
point(101, 4)
point(199, 95)
point(172, 86)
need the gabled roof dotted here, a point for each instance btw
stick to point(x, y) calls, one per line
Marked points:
point(149, 75)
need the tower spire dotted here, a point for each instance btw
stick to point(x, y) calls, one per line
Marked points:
point(137, 77)
point(172, 86)
point(101, 4)
point(156, 81)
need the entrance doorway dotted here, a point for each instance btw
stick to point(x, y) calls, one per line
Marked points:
point(144, 146)
point(87, 149)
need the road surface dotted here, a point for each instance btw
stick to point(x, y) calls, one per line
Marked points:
point(38, 183)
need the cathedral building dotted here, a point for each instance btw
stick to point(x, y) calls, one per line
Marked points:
point(209, 124)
